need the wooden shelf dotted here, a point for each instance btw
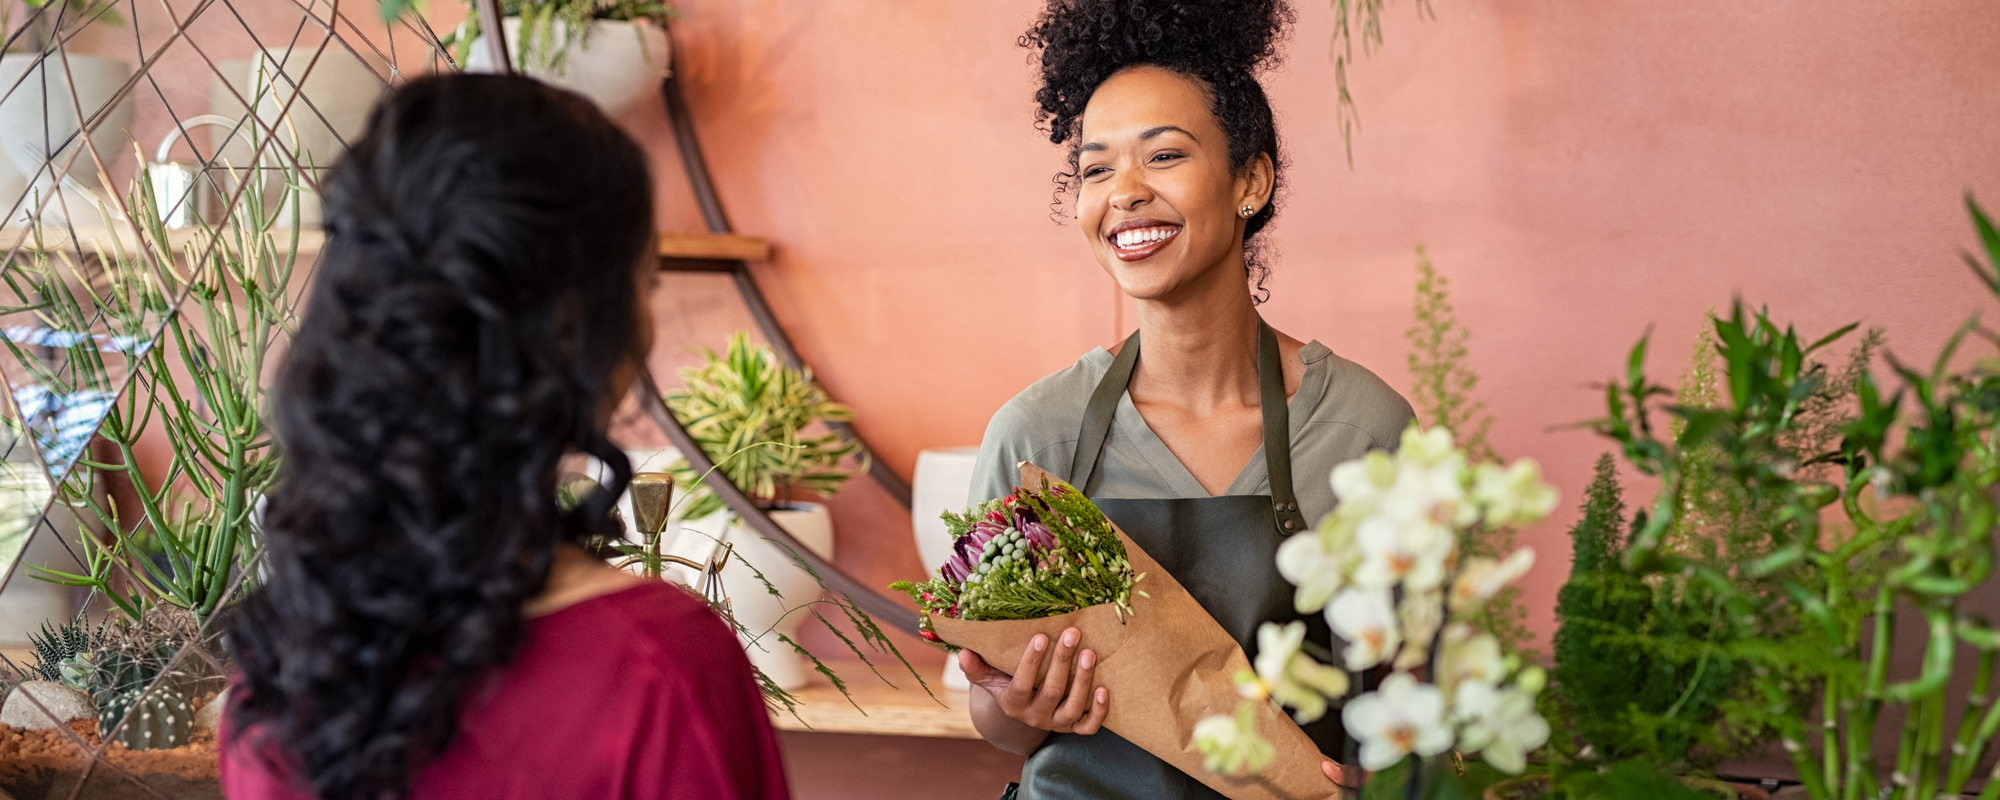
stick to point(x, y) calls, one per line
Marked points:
point(689, 246)
point(713, 246)
point(98, 238)
point(889, 712)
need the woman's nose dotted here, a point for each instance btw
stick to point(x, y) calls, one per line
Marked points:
point(1129, 190)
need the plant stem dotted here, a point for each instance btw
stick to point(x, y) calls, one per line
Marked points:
point(1970, 746)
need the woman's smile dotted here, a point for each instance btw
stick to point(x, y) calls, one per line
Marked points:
point(1140, 239)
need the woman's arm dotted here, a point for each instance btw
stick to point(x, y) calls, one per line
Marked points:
point(1016, 715)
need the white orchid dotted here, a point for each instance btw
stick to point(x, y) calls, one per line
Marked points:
point(1366, 620)
point(1412, 551)
point(1293, 678)
point(1231, 745)
point(1401, 718)
point(1317, 562)
point(1499, 724)
point(1429, 446)
point(1359, 483)
point(1515, 495)
point(1469, 656)
point(1482, 578)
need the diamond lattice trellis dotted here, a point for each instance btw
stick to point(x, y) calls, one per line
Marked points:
point(158, 167)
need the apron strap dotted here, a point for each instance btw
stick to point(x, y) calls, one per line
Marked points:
point(1097, 415)
point(1277, 430)
point(1110, 389)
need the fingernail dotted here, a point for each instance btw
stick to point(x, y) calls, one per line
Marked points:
point(1087, 659)
point(1039, 643)
point(1069, 637)
point(1102, 695)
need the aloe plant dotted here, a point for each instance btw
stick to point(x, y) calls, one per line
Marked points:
point(749, 412)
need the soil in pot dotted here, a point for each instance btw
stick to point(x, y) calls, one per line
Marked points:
point(46, 765)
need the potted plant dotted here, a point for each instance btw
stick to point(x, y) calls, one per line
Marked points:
point(42, 90)
point(611, 51)
point(750, 413)
point(1889, 524)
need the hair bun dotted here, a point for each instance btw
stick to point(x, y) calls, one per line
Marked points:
point(1083, 42)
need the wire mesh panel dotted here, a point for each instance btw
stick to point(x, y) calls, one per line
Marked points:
point(159, 218)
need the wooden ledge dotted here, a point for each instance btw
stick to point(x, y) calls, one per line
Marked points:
point(907, 711)
point(713, 247)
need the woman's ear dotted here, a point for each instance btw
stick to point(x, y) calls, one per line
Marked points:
point(1253, 185)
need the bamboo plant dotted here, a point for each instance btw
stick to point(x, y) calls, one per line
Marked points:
point(1898, 528)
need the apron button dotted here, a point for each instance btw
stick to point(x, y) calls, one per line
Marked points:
point(1290, 524)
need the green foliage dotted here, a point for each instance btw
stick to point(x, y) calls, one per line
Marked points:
point(147, 720)
point(224, 305)
point(548, 27)
point(1349, 16)
point(1442, 393)
point(1807, 606)
point(53, 646)
point(748, 411)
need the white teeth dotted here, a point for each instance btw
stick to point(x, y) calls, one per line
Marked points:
point(1135, 238)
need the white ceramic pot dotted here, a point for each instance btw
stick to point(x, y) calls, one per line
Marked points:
point(316, 105)
point(614, 65)
point(765, 616)
point(39, 126)
point(27, 603)
point(943, 483)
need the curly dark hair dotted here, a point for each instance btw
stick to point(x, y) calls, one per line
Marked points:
point(472, 308)
point(1222, 44)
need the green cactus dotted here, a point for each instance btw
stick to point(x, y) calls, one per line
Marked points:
point(53, 646)
point(158, 719)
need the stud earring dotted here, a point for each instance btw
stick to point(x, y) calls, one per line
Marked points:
point(1249, 211)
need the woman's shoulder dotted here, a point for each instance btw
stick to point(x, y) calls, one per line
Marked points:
point(1352, 394)
point(1052, 406)
point(657, 617)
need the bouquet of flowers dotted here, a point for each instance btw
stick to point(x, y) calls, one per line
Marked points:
point(1388, 569)
point(1044, 559)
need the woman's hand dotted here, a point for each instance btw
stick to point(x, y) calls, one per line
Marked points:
point(1347, 777)
point(1067, 700)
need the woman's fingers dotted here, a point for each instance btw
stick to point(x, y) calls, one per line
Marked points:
point(1346, 776)
point(1016, 697)
point(1100, 705)
point(982, 674)
point(1077, 702)
point(1056, 684)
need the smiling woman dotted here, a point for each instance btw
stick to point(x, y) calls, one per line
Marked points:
point(1174, 169)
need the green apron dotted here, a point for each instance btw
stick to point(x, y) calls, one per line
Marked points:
point(1224, 550)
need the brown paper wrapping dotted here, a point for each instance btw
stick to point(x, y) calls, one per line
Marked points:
point(1168, 665)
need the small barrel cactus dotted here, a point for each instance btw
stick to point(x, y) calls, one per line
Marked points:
point(160, 719)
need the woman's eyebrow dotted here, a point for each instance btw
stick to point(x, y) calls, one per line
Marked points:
point(1093, 147)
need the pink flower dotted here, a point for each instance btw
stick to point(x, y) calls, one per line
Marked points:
point(965, 551)
point(1039, 536)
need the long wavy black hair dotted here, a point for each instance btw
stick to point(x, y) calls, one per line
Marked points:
point(1223, 44)
point(472, 308)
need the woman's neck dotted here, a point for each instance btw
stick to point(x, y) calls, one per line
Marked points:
point(1200, 348)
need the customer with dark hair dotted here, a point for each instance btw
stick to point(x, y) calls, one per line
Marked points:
point(1214, 445)
point(428, 627)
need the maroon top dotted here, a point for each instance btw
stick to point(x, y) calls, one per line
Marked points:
point(641, 694)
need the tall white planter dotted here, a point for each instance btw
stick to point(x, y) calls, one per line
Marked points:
point(39, 123)
point(615, 65)
point(765, 616)
point(943, 483)
point(318, 106)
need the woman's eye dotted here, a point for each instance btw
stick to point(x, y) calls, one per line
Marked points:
point(1162, 157)
point(1092, 172)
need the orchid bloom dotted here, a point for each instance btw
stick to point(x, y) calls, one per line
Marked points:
point(1231, 745)
point(1293, 678)
point(1421, 614)
point(1401, 718)
point(1366, 619)
point(1482, 578)
point(1514, 495)
point(1469, 656)
point(1317, 562)
point(1500, 724)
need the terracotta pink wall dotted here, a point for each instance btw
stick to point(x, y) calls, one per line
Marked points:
point(1581, 171)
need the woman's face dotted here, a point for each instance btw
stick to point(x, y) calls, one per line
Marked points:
point(1159, 202)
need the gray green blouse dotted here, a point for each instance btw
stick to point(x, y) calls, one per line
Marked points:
point(1340, 412)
